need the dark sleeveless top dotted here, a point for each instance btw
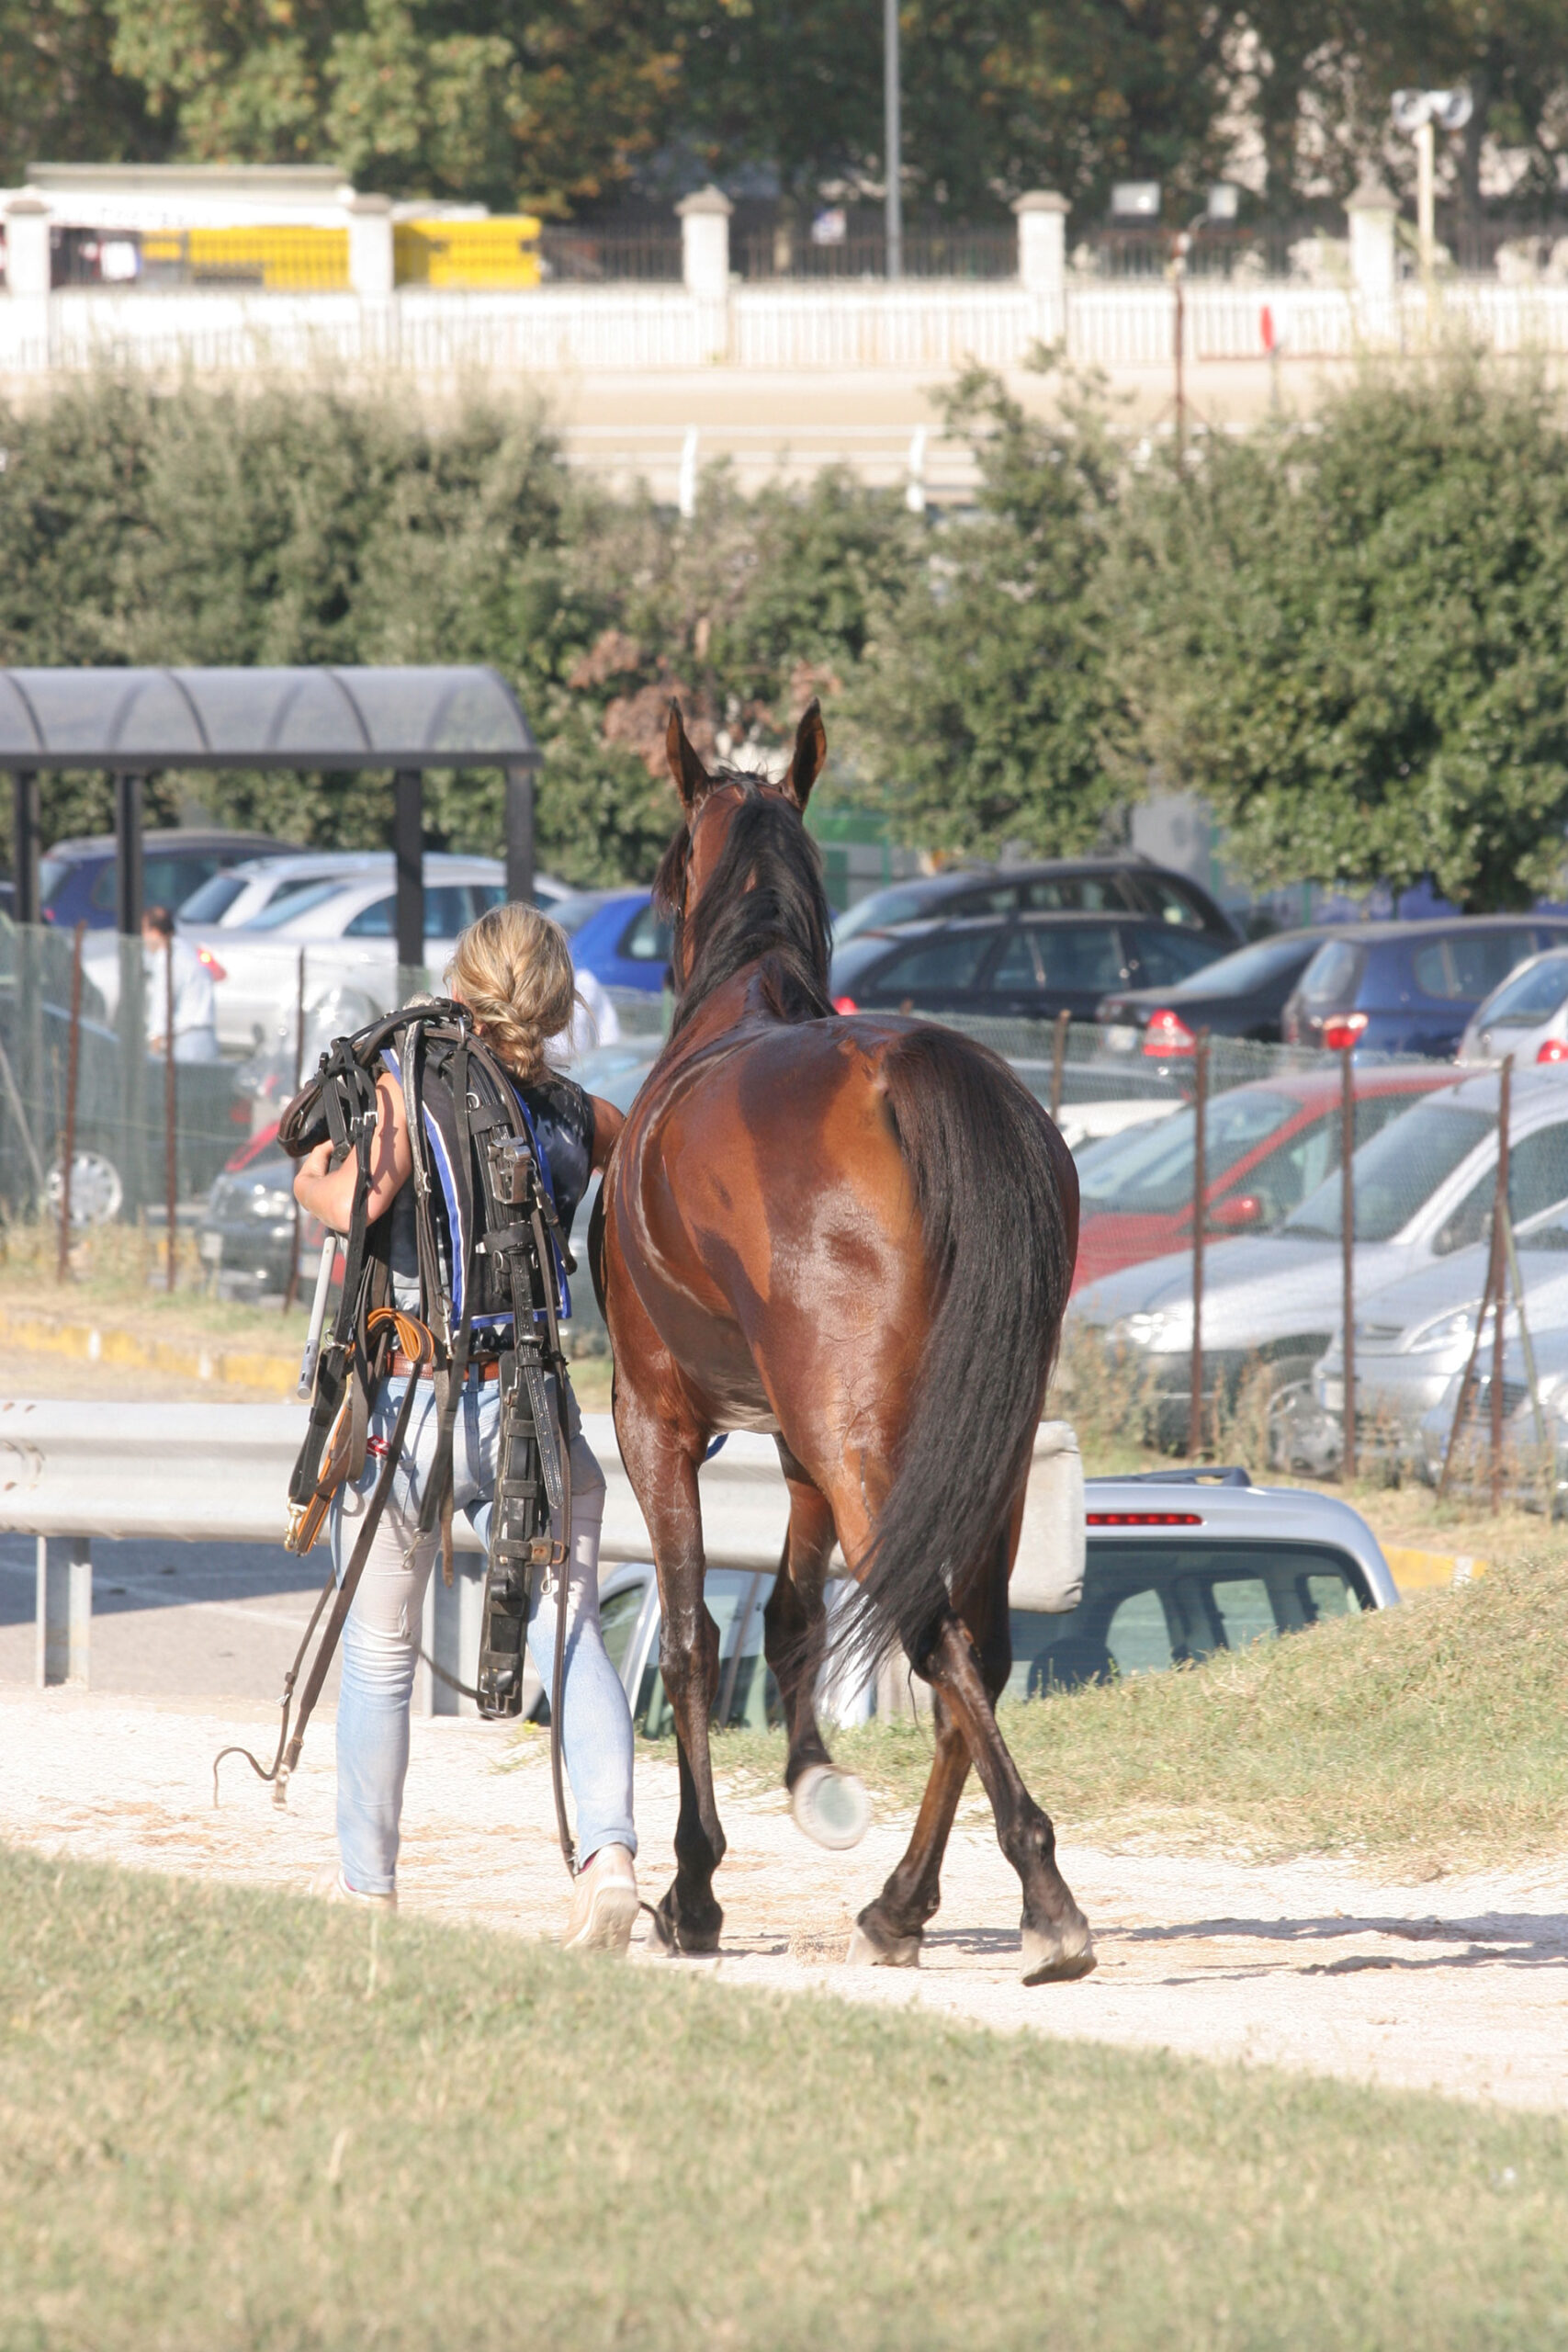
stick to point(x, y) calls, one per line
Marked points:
point(557, 1115)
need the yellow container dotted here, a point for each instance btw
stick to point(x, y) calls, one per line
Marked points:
point(503, 252)
point(281, 260)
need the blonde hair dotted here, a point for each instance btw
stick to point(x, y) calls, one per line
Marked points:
point(513, 969)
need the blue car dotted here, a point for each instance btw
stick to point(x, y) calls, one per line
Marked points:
point(1410, 988)
point(616, 935)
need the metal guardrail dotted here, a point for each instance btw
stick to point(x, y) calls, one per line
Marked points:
point(219, 1474)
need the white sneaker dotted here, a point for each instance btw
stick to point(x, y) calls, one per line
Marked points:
point(604, 1904)
point(333, 1887)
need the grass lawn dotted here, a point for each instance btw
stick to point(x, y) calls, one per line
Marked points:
point(234, 2119)
point(1428, 1736)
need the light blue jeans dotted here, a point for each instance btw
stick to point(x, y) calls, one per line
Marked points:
point(381, 1637)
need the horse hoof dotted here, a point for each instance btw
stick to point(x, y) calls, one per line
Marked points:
point(680, 1937)
point(1056, 1955)
point(868, 1952)
point(830, 1806)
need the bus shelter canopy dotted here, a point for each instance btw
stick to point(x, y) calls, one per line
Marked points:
point(136, 721)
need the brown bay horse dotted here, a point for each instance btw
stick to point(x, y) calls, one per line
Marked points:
point(855, 1234)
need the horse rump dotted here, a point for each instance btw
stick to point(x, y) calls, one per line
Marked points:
point(996, 1193)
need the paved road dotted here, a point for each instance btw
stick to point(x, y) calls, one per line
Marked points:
point(183, 1621)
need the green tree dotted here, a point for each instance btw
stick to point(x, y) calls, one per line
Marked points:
point(985, 712)
point(61, 93)
point(414, 96)
point(1353, 640)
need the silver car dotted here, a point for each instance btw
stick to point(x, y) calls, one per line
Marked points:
point(1180, 1565)
point(1415, 1336)
point(1525, 1422)
point(1526, 1016)
point(1424, 1189)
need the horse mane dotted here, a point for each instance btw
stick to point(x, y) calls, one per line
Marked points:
point(764, 903)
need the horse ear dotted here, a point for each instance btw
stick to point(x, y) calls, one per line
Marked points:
point(691, 777)
point(810, 751)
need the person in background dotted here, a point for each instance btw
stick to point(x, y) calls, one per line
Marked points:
point(196, 1015)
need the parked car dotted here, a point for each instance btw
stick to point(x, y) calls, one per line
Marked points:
point(1410, 988)
point(1413, 1335)
point(1266, 1147)
point(242, 894)
point(1540, 1481)
point(1179, 1565)
point(1095, 885)
point(246, 1235)
point(1012, 966)
point(1527, 1017)
point(347, 927)
point(111, 1166)
point(78, 879)
point(1424, 1189)
point(1242, 995)
point(617, 936)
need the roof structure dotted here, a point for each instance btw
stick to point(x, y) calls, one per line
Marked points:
point(137, 721)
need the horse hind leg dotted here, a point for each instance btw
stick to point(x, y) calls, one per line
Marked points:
point(1057, 1945)
point(829, 1804)
point(889, 1931)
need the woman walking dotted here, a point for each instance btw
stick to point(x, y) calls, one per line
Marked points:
point(513, 971)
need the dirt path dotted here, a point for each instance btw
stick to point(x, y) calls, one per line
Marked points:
point(1460, 1985)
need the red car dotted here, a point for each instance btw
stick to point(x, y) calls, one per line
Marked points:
point(1267, 1146)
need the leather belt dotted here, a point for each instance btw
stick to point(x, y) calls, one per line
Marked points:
point(405, 1368)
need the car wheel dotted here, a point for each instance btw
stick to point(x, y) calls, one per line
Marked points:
point(1301, 1436)
point(96, 1192)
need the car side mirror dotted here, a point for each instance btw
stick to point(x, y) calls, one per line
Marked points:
point(1238, 1212)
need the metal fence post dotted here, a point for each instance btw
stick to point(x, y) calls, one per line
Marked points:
point(171, 1169)
point(1348, 1251)
point(1059, 1062)
point(1498, 1284)
point(64, 1609)
point(291, 1287)
point(1200, 1218)
point(72, 1070)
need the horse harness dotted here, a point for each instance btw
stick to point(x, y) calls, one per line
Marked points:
point(490, 1295)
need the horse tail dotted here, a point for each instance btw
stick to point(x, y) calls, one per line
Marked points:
point(997, 1198)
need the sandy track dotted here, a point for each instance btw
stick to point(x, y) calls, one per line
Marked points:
point(1460, 1985)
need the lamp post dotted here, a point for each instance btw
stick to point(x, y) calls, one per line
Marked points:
point(1419, 113)
point(893, 136)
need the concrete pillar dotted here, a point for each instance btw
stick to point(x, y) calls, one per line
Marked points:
point(371, 272)
point(704, 243)
point(1043, 244)
point(27, 248)
point(64, 1609)
point(1372, 213)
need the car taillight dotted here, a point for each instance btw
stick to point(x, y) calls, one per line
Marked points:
point(1554, 1050)
point(1341, 1030)
point(205, 955)
point(1168, 1035)
point(1142, 1518)
point(845, 1004)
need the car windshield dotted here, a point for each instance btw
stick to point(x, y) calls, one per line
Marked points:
point(1149, 1171)
point(884, 906)
point(1248, 968)
point(1394, 1174)
point(289, 903)
point(1334, 975)
point(1534, 996)
point(572, 912)
point(851, 962)
point(1148, 1606)
point(213, 901)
